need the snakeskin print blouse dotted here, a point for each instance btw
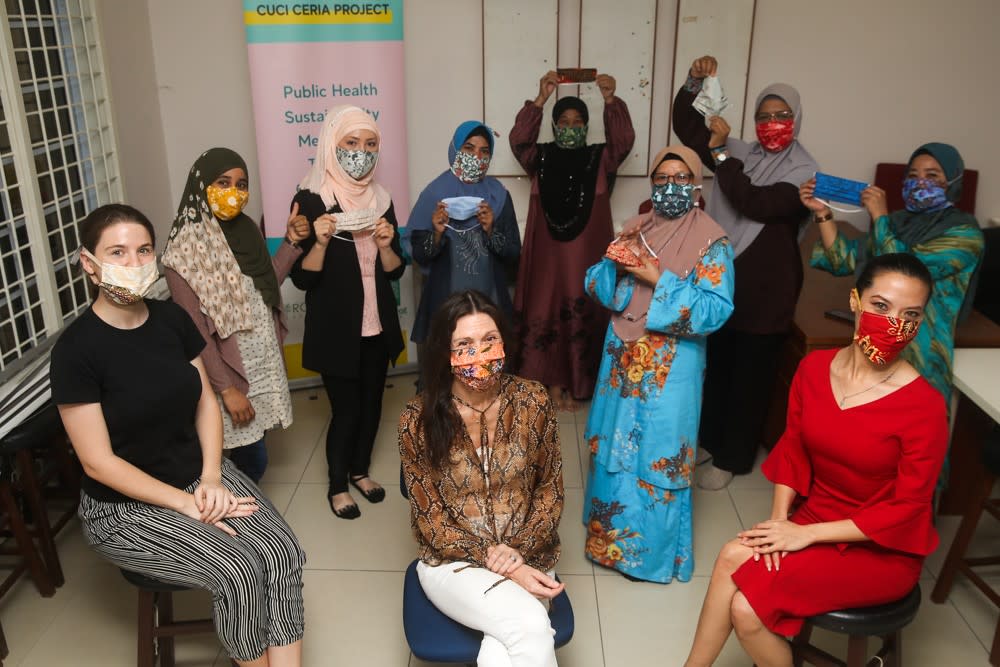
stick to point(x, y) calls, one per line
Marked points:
point(458, 512)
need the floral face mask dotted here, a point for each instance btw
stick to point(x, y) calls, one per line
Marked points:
point(469, 168)
point(226, 203)
point(356, 163)
point(478, 367)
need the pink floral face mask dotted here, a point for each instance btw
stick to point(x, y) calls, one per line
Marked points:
point(478, 367)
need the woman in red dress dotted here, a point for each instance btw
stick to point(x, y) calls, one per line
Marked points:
point(863, 445)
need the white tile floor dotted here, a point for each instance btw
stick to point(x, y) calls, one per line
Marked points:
point(354, 577)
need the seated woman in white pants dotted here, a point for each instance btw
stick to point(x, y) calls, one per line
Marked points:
point(483, 469)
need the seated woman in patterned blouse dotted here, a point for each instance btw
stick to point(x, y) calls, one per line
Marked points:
point(482, 465)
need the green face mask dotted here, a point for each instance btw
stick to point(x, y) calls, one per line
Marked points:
point(570, 137)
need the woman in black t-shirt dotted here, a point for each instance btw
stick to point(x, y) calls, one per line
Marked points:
point(158, 498)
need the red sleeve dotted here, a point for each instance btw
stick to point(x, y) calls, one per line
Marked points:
point(619, 134)
point(788, 462)
point(901, 516)
point(524, 136)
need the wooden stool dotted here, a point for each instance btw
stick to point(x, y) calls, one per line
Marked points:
point(886, 621)
point(156, 625)
point(979, 501)
point(33, 455)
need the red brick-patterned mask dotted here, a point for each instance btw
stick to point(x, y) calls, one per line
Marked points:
point(478, 366)
point(882, 337)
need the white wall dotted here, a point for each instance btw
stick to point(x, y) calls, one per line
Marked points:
point(136, 106)
point(877, 79)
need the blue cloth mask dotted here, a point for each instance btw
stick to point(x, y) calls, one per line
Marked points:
point(671, 200)
point(922, 195)
point(834, 188)
point(356, 163)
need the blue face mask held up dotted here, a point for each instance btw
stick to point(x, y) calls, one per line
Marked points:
point(833, 188)
point(462, 208)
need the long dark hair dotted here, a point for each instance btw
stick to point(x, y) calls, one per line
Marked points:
point(440, 420)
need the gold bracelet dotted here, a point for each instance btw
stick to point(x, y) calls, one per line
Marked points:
point(825, 218)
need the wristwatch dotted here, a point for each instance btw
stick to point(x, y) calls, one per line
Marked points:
point(720, 156)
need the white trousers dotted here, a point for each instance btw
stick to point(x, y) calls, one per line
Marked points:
point(516, 627)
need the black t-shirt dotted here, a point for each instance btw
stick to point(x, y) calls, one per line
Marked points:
point(146, 385)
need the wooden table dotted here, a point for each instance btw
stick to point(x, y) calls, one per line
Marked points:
point(812, 330)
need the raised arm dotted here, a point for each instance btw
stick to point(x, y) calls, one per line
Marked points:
point(524, 135)
point(619, 135)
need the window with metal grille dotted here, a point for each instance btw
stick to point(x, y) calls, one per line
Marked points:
point(57, 162)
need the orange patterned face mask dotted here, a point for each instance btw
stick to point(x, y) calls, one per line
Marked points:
point(478, 367)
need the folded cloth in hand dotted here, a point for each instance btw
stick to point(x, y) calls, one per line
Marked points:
point(356, 221)
point(625, 252)
point(712, 100)
point(462, 208)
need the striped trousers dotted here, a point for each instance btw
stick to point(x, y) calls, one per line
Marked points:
point(255, 578)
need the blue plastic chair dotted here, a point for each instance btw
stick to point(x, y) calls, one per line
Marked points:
point(435, 637)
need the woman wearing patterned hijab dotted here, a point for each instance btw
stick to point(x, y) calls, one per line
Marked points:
point(218, 269)
point(755, 199)
point(352, 329)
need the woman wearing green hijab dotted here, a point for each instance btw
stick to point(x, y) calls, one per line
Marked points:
point(219, 270)
point(944, 238)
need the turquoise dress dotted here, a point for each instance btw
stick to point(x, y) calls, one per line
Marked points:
point(951, 258)
point(643, 424)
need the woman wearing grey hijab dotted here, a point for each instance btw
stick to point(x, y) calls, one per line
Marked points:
point(755, 199)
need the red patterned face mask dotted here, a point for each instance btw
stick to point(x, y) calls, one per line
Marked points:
point(881, 337)
point(775, 135)
point(478, 367)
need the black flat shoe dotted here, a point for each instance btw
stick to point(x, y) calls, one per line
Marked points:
point(376, 495)
point(351, 511)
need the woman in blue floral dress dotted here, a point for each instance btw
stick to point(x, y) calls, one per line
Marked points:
point(668, 282)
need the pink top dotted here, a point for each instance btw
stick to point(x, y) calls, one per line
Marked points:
point(364, 243)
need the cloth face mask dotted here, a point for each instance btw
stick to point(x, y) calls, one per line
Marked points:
point(226, 203)
point(881, 337)
point(834, 188)
point(462, 208)
point(356, 163)
point(570, 137)
point(621, 251)
point(478, 368)
point(711, 100)
point(468, 168)
point(776, 135)
point(672, 200)
point(924, 195)
point(125, 285)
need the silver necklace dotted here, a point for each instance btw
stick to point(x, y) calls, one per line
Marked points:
point(858, 393)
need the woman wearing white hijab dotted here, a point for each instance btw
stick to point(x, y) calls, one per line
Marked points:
point(755, 200)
